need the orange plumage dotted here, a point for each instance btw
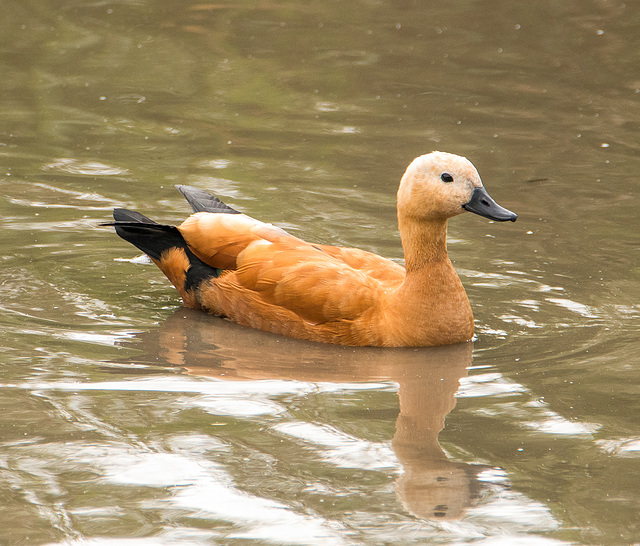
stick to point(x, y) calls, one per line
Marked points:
point(255, 274)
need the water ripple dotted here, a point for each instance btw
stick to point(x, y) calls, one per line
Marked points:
point(70, 165)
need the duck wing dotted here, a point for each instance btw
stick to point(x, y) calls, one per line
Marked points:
point(372, 264)
point(272, 276)
point(292, 288)
point(218, 239)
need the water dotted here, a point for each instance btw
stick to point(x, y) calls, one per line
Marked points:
point(129, 420)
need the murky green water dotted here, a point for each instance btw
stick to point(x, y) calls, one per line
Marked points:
point(125, 417)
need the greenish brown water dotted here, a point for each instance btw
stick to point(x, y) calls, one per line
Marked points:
point(125, 417)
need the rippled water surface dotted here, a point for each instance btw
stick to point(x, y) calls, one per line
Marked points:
point(127, 419)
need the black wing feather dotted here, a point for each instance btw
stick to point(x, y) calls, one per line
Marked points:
point(201, 201)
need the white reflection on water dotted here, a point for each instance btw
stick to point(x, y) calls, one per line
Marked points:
point(520, 540)
point(533, 414)
point(341, 449)
point(115, 542)
point(520, 321)
point(575, 307)
point(181, 384)
point(513, 507)
point(102, 339)
point(552, 423)
point(621, 447)
point(190, 482)
point(487, 384)
point(204, 486)
point(268, 520)
point(493, 475)
point(233, 406)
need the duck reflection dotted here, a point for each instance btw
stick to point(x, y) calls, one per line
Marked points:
point(431, 486)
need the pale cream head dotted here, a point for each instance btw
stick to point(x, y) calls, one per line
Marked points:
point(436, 185)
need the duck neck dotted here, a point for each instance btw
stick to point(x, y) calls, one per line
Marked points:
point(424, 243)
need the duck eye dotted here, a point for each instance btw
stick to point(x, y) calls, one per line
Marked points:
point(446, 177)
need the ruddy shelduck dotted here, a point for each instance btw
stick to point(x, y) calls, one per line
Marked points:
point(258, 275)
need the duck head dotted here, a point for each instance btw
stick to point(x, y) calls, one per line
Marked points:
point(440, 185)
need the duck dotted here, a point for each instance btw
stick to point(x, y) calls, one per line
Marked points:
point(230, 265)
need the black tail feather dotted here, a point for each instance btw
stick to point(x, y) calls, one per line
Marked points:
point(124, 215)
point(153, 239)
point(201, 201)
